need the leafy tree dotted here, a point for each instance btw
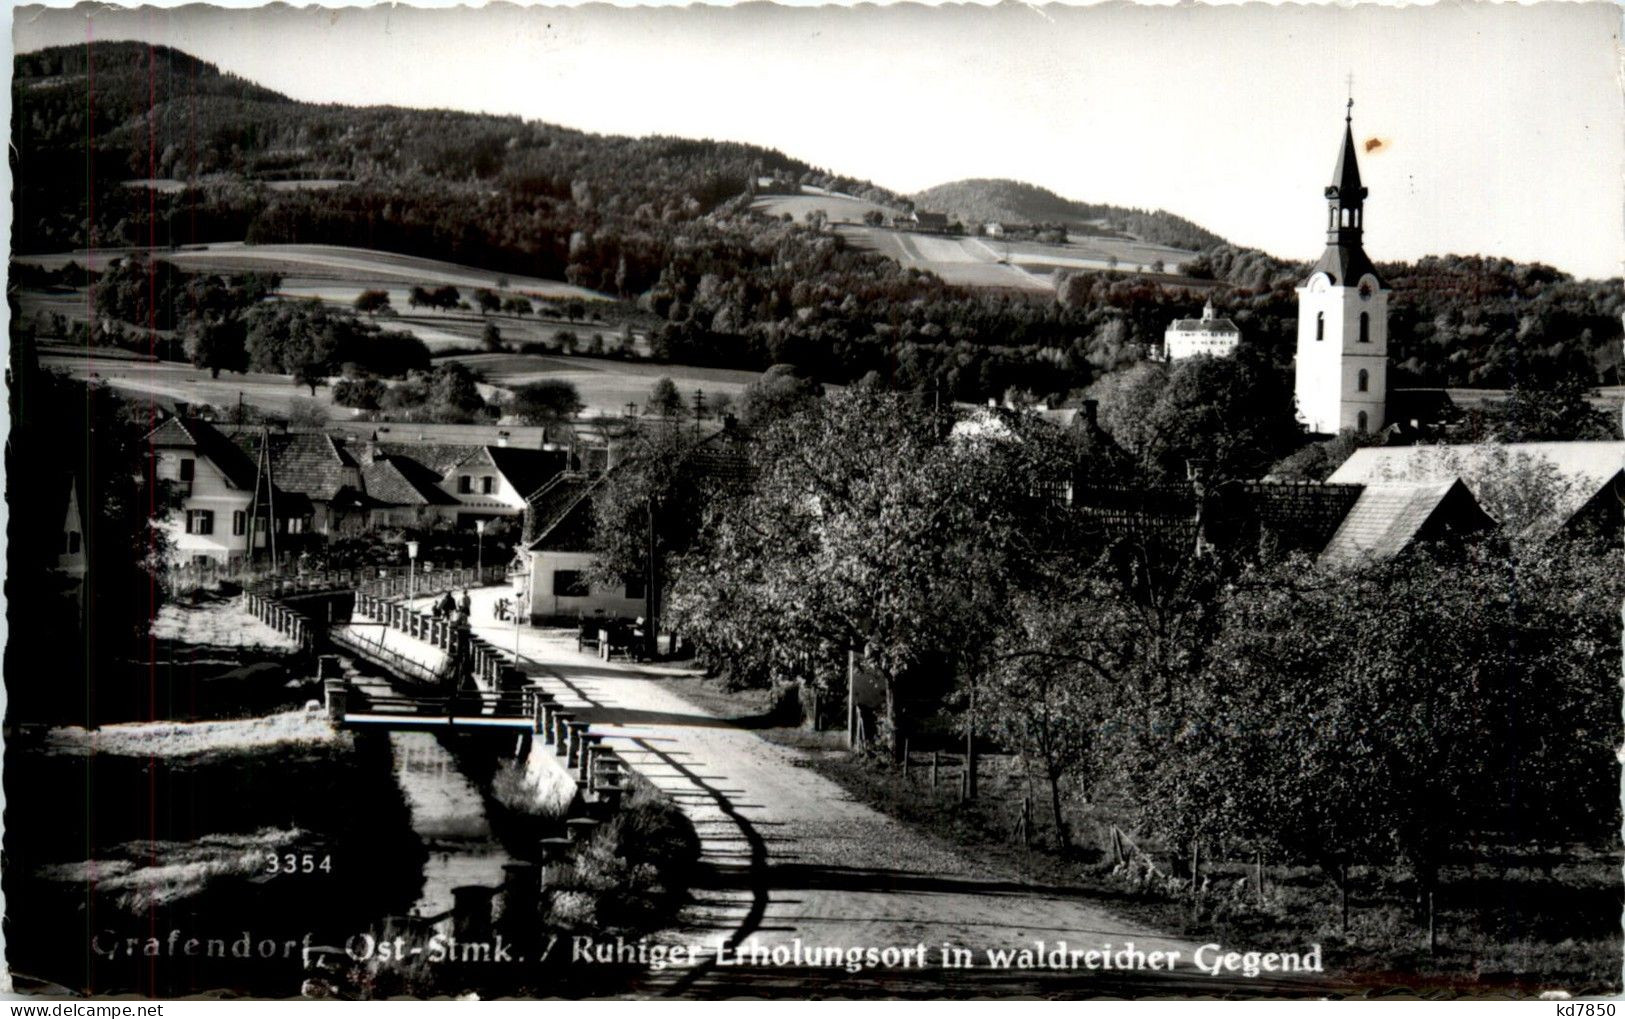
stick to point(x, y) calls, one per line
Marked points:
point(1317, 461)
point(365, 394)
point(545, 402)
point(1235, 413)
point(781, 391)
point(311, 374)
point(868, 527)
point(419, 297)
point(371, 302)
point(216, 344)
point(487, 301)
point(454, 393)
point(491, 338)
point(665, 400)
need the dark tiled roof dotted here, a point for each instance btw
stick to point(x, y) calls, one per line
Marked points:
point(307, 462)
point(402, 481)
point(438, 457)
point(560, 513)
point(1197, 325)
point(191, 433)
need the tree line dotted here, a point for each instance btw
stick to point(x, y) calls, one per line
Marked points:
point(1397, 712)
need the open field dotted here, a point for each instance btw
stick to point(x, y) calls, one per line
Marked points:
point(305, 264)
point(836, 207)
point(606, 386)
point(1019, 265)
point(169, 185)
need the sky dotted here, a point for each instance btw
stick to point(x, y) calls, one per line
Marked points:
point(1495, 129)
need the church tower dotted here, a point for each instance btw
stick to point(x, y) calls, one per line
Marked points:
point(1342, 361)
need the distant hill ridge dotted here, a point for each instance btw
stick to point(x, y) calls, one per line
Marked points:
point(983, 200)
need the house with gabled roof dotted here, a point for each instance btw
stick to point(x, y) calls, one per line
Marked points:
point(494, 481)
point(1588, 478)
point(401, 492)
point(320, 468)
point(559, 525)
point(212, 481)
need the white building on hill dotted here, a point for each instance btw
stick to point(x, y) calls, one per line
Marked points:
point(1187, 337)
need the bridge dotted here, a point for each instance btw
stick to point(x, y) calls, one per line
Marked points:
point(464, 684)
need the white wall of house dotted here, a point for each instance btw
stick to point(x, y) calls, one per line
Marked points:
point(481, 490)
point(212, 520)
point(547, 597)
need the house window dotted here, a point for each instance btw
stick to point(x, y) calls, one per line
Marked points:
point(634, 587)
point(1320, 326)
point(188, 468)
point(465, 484)
point(570, 584)
point(1365, 380)
point(72, 546)
point(487, 484)
point(1360, 422)
point(1365, 327)
point(200, 521)
point(239, 522)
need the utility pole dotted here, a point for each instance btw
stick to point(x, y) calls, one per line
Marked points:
point(651, 625)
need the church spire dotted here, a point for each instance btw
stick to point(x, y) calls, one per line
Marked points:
point(1345, 260)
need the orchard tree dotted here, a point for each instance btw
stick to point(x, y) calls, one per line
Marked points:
point(371, 302)
point(546, 402)
point(665, 400)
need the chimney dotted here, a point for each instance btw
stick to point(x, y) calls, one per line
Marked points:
point(1091, 413)
point(502, 437)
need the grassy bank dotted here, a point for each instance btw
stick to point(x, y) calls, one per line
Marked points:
point(108, 849)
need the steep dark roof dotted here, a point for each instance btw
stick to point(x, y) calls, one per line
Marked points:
point(402, 481)
point(1346, 175)
point(559, 515)
point(1345, 264)
point(191, 433)
point(307, 462)
point(526, 469)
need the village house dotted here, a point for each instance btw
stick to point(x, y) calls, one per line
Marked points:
point(214, 483)
point(559, 552)
point(495, 481)
point(1587, 478)
point(320, 468)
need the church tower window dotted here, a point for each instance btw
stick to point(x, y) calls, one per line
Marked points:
point(1365, 327)
point(1320, 326)
point(1364, 382)
point(1361, 422)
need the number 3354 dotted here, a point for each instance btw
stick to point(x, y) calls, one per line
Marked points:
point(298, 863)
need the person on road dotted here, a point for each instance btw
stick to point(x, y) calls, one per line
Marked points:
point(448, 606)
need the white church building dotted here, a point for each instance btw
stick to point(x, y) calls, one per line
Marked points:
point(1342, 358)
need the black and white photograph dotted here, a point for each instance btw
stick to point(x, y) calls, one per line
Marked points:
point(983, 501)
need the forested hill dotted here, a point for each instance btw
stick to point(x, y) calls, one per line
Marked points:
point(983, 200)
point(155, 112)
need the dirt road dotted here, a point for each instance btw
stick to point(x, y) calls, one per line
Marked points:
point(791, 856)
